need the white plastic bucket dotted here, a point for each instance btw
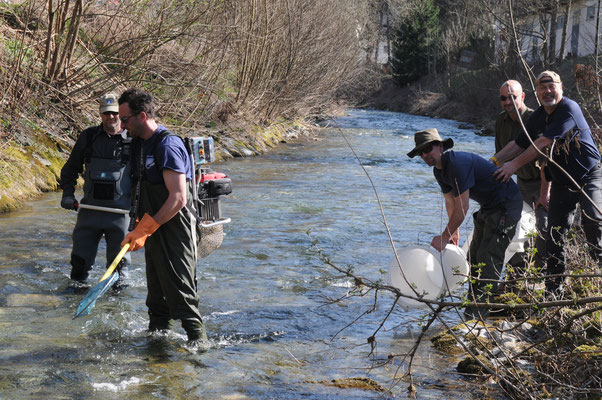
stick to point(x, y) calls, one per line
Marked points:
point(455, 267)
point(423, 271)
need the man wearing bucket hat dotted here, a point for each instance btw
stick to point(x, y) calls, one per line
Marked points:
point(463, 176)
point(559, 125)
point(102, 155)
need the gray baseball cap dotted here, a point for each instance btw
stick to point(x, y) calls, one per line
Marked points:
point(108, 102)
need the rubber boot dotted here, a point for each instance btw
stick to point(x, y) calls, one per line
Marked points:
point(195, 329)
point(79, 272)
point(121, 282)
point(159, 324)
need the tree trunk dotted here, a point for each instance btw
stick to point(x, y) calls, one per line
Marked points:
point(553, 28)
point(543, 22)
point(596, 42)
point(565, 26)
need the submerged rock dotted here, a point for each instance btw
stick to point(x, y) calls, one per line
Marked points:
point(355, 383)
point(471, 366)
point(32, 299)
point(446, 343)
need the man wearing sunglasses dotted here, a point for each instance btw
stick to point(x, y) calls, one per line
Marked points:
point(167, 228)
point(465, 176)
point(101, 155)
point(530, 177)
point(559, 127)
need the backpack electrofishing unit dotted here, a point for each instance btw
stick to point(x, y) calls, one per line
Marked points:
point(208, 186)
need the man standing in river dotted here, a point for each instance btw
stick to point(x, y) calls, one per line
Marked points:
point(163, 170)
point(463, 176)
point(559, 125)
point(102, 155)
point(530, 178)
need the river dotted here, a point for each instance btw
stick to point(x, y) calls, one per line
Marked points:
point(265, 294)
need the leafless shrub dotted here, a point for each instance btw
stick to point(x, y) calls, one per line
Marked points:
point(267, 59)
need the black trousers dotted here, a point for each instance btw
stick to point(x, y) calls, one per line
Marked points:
point(563, 203)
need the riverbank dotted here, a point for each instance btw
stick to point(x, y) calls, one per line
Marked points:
point(211, 71)
point(472, 96)
point(427, 99)
point(30, 163)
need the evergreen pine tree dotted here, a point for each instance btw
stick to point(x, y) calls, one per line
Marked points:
point(414, 47)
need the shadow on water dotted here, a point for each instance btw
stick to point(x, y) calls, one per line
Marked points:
point(265, 295)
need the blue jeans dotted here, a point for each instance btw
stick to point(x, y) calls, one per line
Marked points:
point(563, 203)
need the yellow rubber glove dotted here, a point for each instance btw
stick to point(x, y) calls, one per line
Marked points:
point(136, 238)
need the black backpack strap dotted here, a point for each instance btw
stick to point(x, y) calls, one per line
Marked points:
point(126, 150)
point(90, 137)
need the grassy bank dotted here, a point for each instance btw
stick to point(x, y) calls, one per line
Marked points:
point(30, 164)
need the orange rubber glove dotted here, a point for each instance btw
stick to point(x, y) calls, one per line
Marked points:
point(136, 238)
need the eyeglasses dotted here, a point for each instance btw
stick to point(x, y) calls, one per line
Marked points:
point(504, 98)
point(110, 113)
point(426, 149)
point(124, 120)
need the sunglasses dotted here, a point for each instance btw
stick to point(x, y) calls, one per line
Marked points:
point(426, 149)
point(124, 120)
point(110, 113)
point(504, 98)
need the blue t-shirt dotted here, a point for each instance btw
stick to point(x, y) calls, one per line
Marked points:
point(463, 171)
point(171, 154)
point(574, 150)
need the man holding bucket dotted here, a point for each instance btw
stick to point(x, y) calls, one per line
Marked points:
point(463, 176)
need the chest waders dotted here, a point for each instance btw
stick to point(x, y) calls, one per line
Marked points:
point(107, 183)
point(493, 231)
point(171, 255)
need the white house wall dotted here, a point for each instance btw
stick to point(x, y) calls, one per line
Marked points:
point(579, 19)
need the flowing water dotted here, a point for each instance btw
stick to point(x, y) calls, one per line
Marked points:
point(265, 294)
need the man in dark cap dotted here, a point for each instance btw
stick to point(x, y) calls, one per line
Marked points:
point(559, 125)
point(463, 176)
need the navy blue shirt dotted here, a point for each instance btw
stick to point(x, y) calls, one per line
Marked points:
point(462, 171)
point(574, 149)
point(171, 154)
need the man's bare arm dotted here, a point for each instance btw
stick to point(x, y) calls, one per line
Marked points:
point(457, 207)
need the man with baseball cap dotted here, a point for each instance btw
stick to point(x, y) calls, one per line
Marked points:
point(463, 176)
point(559, 126)
point(101, 155)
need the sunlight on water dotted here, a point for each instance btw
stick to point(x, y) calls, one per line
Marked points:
point(266, 295)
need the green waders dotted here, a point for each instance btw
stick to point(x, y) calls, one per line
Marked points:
point(493, 231)
point(171, 255)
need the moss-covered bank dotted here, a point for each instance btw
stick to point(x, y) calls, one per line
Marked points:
point(31, 165)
